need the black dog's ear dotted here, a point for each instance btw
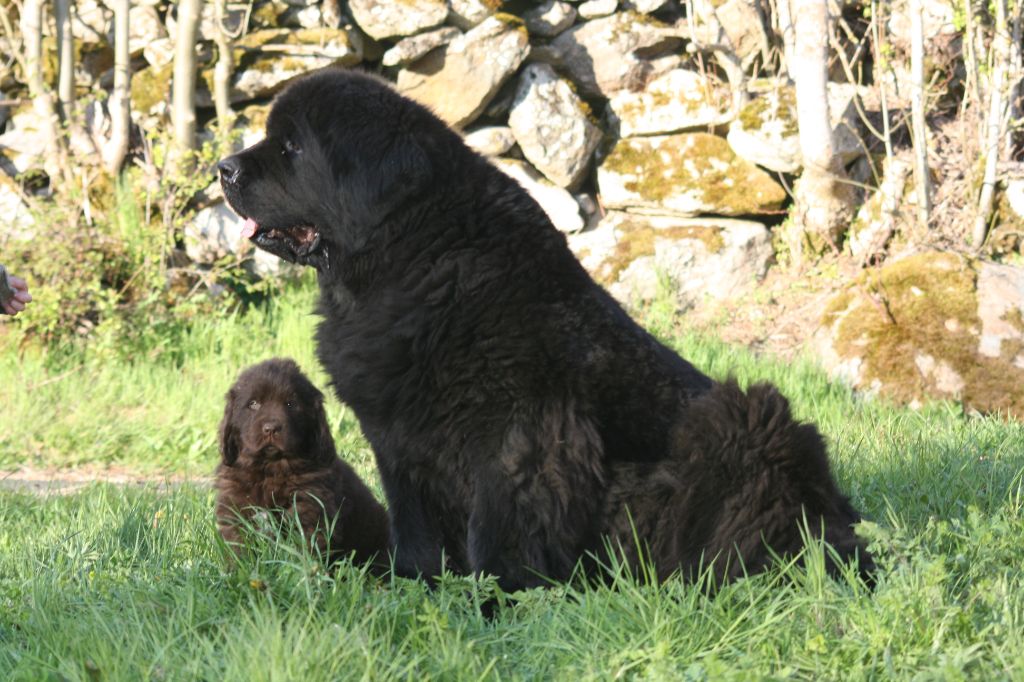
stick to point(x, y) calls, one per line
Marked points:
point(228, 432)
point(385, 178)
point(404, 170)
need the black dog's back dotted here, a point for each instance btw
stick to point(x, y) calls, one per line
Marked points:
point(741, 480)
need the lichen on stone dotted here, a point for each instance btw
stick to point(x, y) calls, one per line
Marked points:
point(697, 163)
point(637, 239)
point(779, 105)
point(920, 312)
point(150, 87)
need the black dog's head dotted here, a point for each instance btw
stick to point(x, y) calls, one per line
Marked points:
point(342, 152)
point(273, 412)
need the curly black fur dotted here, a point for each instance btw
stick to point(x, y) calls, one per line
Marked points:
point(517, 413)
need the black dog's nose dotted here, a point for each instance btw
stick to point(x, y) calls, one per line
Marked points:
point(271, 428)
point(229, 169)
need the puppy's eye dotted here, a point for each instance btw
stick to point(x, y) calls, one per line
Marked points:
point(291, 148)
point(254, 405)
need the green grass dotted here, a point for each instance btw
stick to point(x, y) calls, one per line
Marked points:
point(114, 583)
point(160, 411)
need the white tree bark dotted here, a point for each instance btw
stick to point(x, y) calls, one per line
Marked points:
point(222, 74)
point(993, 125)
point(66, 57)
point(917, 104)
point(784, 14)
point(116, 149)
point(823, 203)
point(42, 103)
point(183, 94)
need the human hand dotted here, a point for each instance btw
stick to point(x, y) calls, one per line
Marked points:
point(21, 298)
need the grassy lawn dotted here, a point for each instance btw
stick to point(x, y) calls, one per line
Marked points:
point(113, 583)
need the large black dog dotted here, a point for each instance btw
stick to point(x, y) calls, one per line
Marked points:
point(520, 419)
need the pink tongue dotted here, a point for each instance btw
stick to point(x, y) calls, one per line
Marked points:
point(249, 228)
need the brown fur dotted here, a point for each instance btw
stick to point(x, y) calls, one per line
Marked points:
point(277, 454)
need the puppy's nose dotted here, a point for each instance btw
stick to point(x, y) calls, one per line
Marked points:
point(229, 169)
point(271, 428)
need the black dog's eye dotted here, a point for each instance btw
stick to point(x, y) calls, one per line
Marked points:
point(254, 405)
point(291, 148)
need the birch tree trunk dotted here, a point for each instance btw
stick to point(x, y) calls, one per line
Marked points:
point(993, 124)
point(921, 172)
point(183, 94)
point(823, 200)
point(222, 75)
point(55, 160)
point(784, 14)
point(120, 116)
point(66, 58)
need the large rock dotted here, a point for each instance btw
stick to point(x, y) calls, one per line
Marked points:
point(459, 80)
point(23, 146)
point(675, 101)
point(303, 17)
point(1007, 235)
point(91, 21)
point(144, 26)
point(18, 222)
point(557, 203)
point(469, 13)
point(267, 60)
point(549, 18)
point(766, 131)
point(553, 126)
point(932, 325)
point(410, 49)
point(685, 175)
point(743, 24)
point(879, 218)
point(606, 55)
point(595, 9)
point(159, 53)
point(383, 20)
point(715, 258)
point(215, 233)
point(491, 140)
point(267, 15)
point(646, 6)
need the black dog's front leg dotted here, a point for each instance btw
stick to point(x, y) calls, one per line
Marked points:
point(416, 541)
point(535, 505)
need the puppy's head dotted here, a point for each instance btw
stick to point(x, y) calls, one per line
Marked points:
point(273, 412)
point(343, 152)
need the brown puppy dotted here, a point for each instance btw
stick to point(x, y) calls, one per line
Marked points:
point(277, 454)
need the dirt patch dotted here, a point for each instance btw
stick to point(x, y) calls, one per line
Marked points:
point(781, 314)
point(55, 481)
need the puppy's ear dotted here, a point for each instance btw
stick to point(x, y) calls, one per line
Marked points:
point(228, 433)
point(324, 440)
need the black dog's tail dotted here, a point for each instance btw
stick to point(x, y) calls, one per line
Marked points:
point(770, 473)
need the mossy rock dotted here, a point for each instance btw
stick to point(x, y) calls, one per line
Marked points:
point(1007, 234)
point(766, 130)
point(932, 325)
point(91, 60)
point(263, 64)
point(686, 175)
point(151, 89)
